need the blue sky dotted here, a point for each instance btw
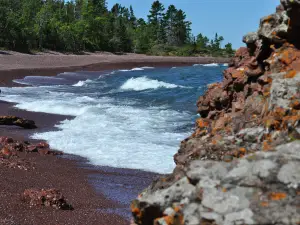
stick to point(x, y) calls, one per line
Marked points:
point(230, 18)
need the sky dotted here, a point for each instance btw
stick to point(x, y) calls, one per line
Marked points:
point(230, 18)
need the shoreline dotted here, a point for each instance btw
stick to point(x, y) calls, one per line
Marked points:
point(116, 187)
point(18, 66)
point(100, 195)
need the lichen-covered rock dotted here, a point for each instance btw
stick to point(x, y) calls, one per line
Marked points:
point(50, 198)
point(241, 165)
point(262, 188)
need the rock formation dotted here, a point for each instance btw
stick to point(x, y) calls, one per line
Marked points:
point(50, 198)
point(242, 163)
point(16, 121)
point(10, 151)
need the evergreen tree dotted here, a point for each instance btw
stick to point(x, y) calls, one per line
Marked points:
point(87, 25)
point(155, 19)
point(170, 25)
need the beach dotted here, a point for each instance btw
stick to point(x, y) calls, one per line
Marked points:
point(16, 65)
point(79, 182)
point(99, 195)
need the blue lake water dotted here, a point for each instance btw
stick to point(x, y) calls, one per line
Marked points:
point(127, 118)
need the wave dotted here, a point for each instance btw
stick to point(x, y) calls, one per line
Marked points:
point(209, 65)
point(225, 64)
point(82, 83)
point(144, 83)
point(79, 84)
point(137, 69)
point(108, 131)
point(147, 67)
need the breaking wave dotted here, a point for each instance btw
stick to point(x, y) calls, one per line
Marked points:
point(144, 83)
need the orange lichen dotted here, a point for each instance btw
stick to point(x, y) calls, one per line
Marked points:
point(291, 119)
point(276, 196)
point(264, 204)
point(288, 55)
point(136, 211)
point(243, 150)
point(237, 74)
point(173, 219)
point(272, 123)
point(202, 123)
point(291, 74)
point(267, 19)
point(266, 91)
point(266, 146)
point(224, 190)
point(295, 104)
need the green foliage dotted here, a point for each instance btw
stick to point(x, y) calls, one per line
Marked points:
point(87, 25)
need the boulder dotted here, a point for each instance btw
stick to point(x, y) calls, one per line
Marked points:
point(262, 188)
point(46, 197)
point(16, 121)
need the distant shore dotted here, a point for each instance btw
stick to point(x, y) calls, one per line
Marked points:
point(16, 65)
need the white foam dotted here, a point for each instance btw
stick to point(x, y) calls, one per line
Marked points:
point(108, 133)
point(144, 83)
point(123, 71)
point(82, 83)
point(137, 69)
point(147, 67)
point(225, 64)
point(208, 65)
point(79, 84)
point(211, 65)
point(121, 136)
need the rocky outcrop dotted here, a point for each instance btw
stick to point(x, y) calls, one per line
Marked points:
point(50, 198)
point(10, 151)
point(241, 165)
point(16, 121)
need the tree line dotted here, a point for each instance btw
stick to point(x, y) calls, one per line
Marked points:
point(88, 25)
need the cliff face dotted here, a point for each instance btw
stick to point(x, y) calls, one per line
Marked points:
point(242, 163)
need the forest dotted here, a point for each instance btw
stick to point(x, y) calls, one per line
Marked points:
point(88, 25)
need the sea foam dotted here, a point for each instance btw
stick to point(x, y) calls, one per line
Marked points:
point(144, 83)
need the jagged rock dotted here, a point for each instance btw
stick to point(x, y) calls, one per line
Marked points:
point(250, 38)
point(283, 90)
point(50, 198)
point(10, 149)
point(16, 121)
point(275, 27)
point(241, 165)
point(262, 188)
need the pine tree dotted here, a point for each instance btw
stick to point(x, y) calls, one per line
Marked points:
point(182, 28)
point(155, 20)
point(170, 25)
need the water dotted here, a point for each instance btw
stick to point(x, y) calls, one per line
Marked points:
point(126, 119)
